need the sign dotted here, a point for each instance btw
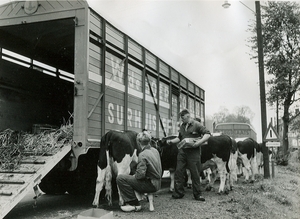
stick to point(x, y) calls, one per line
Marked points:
point(273, 144)
point(271, 134)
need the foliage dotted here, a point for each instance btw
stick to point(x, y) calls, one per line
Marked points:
point(281, 47)
point(242, 114)
point(295, 123)
point(281, 31)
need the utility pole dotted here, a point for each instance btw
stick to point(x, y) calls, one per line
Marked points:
point(262, 88)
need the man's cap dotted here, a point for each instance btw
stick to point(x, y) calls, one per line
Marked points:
point(144, 138)
point(184, 112)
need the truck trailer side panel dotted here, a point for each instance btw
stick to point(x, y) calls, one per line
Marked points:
point(61, 61)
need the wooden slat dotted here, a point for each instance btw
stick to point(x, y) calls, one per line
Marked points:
point(11, 181)
point(5, 193)
point(18, 171)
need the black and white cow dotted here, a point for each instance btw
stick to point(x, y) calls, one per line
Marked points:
point(247, 148)
point(118, 155)
point(218, 150)
point(168, 157)
point(214, 155)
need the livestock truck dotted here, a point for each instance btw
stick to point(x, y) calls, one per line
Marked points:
point(61, 61)
point(236, 130)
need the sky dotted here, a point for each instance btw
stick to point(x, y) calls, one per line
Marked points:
point(202, 40)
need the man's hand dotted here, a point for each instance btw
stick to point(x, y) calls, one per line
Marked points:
point(197, 143)
point(201, 141)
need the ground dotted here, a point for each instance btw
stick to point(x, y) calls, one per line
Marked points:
point(265, 198)
point(273, 198)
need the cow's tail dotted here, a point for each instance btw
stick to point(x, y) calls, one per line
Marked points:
point(108, 178)
point(230, 148)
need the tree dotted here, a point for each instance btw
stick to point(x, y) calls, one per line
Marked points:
point(295, 122)
point(220, 116)
point(281, 43)
point(242, 114)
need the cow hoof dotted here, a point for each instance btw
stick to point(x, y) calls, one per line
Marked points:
point(223, 192)
point(251, 181)
point(208, 188)
point(189, 186)
point(171, 190)
point(231, 187)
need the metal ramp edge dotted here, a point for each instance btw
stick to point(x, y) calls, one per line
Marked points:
point(26, 181)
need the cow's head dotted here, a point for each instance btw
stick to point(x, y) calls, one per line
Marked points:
point(259, 147)
point(162, 143)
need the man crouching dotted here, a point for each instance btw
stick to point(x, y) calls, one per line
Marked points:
point(147, 178)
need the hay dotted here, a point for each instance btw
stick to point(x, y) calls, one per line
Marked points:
point(14, 145)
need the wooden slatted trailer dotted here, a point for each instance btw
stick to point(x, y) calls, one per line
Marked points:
point(61, 61)
point(14, 185)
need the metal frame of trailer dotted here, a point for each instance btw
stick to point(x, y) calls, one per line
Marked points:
point(118, 83)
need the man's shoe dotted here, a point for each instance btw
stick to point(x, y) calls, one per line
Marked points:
point(177, 196)
point(200, 198)
point(129, 208)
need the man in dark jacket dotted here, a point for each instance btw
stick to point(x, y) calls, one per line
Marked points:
point(191, 135)
point(147, 178)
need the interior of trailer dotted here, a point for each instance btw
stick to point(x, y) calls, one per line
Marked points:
point(37, 75)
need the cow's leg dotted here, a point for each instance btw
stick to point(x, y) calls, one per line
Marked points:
point(253, 168)
point(211, 167)
point(172, 178)
point(233, 169)
point(189, 178)
point(222, 171)
point(247, 166)
point(259, 161)
point(239, 170)
point(99, 185)
point(139, 196)
point(124, 168)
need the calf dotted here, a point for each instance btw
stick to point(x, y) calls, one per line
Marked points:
point(168, 156)
point(215, 155)
point(247, 153)
point(218, 149)
point(118, 154)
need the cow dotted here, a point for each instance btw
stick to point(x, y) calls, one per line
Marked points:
point(214, 155)
point(247, 148)
point(118, 155)
point(260, 158)
point(168, 156)
point(218, 150)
